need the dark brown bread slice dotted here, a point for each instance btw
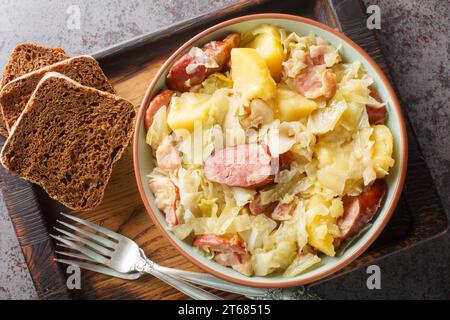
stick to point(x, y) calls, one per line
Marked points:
point(27, 57)
point(3, 129)
point(83, 69)
point(68, 138)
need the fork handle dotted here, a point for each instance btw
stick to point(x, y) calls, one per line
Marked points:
point(145, 265)
point(208, 280)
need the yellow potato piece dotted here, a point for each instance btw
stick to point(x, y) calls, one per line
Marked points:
point(321, 223)
point(293, 106)
point(319, 237)
point(188, 110)
point(268, 44)
point(250, 74)
point(382, 150)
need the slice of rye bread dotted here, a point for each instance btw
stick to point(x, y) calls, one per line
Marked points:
point(3, 129)
point(83, 69)
point(27, 57)
point(68, 138)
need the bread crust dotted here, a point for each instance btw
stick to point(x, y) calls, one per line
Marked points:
point(67, 140)
point(15, 95)
point(27, 57)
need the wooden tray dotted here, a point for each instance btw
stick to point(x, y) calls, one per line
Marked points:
point(131, 66)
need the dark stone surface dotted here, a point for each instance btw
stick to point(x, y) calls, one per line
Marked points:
point(415, 40)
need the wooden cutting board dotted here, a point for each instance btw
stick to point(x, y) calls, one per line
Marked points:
point(131, 66)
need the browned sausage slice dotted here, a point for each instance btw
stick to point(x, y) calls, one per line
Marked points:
point(244, 165)
point(377, 115)
point(161, 99)
point(275, 210)
point(256, 207)
point(283, 211)
point(359, 210)
point(242, 263)
point(222, 244)
point(285, 160)
point(229, 252)
point(190, 70)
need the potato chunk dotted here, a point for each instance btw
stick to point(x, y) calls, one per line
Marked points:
point(322, 223)
point(188, 110)
point(293, 106)
point(250, 74)
point(268, 44)
point(382, 150)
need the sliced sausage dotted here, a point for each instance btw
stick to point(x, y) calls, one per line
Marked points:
point(283, 211)
point(244, 165)
point(161, 99)
point(190, 70)
point(275, 210)
point(242, 263)
point(229, 252)
point(221, 244)
point(359, 210)
point(256, 207)
point(377, 115)
point(285, 160)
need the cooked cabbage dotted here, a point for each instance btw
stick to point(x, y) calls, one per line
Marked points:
point(261, 227)
point(280, 257)
point(300, 264)
point(324, 120)
point(334, 151)
point(158, 129)
point(243, 196)
point(215, 82)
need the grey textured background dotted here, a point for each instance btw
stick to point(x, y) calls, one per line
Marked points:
point(415, 39)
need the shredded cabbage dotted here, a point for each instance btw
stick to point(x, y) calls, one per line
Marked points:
point(215, 82)
point(301, 263)
point(334, 152)
point(324, 120)
point(243, 196)
point(158, 129)
point(261, 227)
point(280, 257)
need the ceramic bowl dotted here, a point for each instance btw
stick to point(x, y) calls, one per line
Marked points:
point(350, 52)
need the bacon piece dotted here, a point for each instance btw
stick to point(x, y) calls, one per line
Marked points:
point(377, 115)
point(166, 196)
point(244, 165)
point(182, 78)
point(359, 210)
point(167, 155)
point(161, 99)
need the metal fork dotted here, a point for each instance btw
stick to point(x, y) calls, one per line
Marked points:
point(124, 259)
